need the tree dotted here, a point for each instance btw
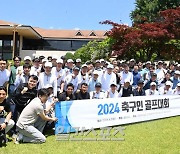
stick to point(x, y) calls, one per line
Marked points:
point(147, 10)
point(69, 55)
point(148, 40)
point(94, 50)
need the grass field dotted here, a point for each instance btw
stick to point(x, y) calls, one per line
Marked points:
point(153, 137)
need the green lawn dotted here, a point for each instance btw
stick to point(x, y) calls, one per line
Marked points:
point(153, 137)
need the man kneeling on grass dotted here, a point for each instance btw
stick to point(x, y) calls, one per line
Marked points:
point(33, 119)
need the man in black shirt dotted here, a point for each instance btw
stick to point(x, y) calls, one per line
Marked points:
point(24, 93)
point(126, 90)
point(82, 94)
point(6, 123)
point(139, 91)
point(68, 94)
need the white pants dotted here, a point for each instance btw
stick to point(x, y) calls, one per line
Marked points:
point(9, 125)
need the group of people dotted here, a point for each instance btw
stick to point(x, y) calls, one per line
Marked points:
point(29, 92)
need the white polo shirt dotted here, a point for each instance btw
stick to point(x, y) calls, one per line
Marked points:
point(107, 80)
point(95, 95)
point(60, 75)
point(35, 70)
point(162, 91)
point(128, 76)
point(69, 79)
point(151, 92)
point(110, 94)
point(45, 80)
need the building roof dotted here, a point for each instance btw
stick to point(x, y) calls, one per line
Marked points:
point(52, 33)
point(2, 22)
point(61, 34)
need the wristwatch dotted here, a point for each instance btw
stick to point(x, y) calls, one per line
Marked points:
point(6, 123)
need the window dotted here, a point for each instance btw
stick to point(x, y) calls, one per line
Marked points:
point(79, 33)
point(92, 34)
point(105, 34)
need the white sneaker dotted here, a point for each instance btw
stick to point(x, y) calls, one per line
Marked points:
point(18, 138)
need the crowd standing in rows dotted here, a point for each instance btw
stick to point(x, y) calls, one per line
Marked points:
point(34, 87)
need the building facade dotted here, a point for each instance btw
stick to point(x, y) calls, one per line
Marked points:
point(23, 40)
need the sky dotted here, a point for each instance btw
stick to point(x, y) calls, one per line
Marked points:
point(67, 14)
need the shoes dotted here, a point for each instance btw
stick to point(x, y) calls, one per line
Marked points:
point(17, 138)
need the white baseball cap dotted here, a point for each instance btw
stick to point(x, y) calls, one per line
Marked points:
point(54, 57)
point(132, 60)
point(44, 60)
point(78, 60)
point(27, 58)
point(70, 61)
point(110, 66)
point(102, 60)
point(153, 84)
point(95, 72)
point(84, 65)
point(126, 80)
point(168, 83)
point(59, 61)
point(177, 72)
point(48, 64)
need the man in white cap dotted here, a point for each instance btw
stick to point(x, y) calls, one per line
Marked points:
point(93, 80)
point(177, 90)
point(166, 90)
point(54, 58)
point(83, 75)
point(72, 78)
point(102, 63)
point(60, 75)
point(108, 78)
point(152, 90)
point(47, 77)
point(69, 66)
point(160, 72)
point(132, 63)
point(78, 62)
point(126, 75)
point(126, 89)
